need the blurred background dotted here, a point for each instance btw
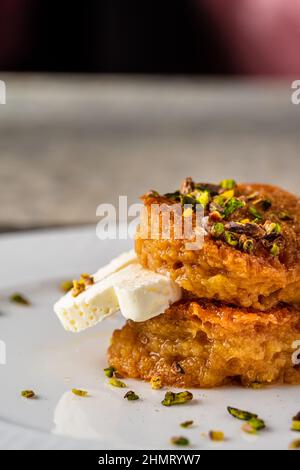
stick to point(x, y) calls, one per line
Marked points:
point(112, 97)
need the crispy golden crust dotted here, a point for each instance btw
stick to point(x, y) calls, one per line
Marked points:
point(220, 271)
point(213, 345)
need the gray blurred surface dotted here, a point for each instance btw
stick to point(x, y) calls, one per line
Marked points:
point(68, 144)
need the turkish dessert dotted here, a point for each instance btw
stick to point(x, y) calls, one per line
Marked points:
point(222, 309)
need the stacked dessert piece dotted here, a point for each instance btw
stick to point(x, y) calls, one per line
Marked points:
point(237, 320)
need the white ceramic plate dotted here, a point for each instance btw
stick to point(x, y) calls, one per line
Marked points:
point(43, 357)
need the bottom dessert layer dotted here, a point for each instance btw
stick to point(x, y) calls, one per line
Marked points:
point(207, 344)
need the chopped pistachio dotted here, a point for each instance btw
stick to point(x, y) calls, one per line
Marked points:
point(19, 299)
point(272, 228)
point(117, 383)
point(216, 435)
point(256, 385)
point(88, 279)
point(246, 427)
point(295, 425)
point(187, 200)
point(228, 194)
point(230, 239)
point(228, 184)
point(65, 286)
point(215, 216)
point(231, 206)
point(248, 245)
point(256, 423)
point(245, 221)
point(187, 185)
point(275, 250)
point(217, 202)
point(202, 197)
point(79, 393)
point(187, 424)
point(266, 204)
point(173, 196)
point(252, 196)
point(218, 229)
point(172, 398)
point(254, 212)
point(80, 286)
point(295, 444)
point(240, 414)
point(156, 383)
point(180, 441)
point(109, 371)
point(130, 396)
point(282, 215)
point(28, 394)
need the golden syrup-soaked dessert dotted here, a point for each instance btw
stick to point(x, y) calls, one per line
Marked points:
point(200, 343)
point(250, 256)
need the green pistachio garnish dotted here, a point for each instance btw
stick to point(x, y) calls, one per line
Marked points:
point(256, 423)
point(109, 371)
point(275, 250)
point(295, 425)
point(117, 383)
point(295, 444)
point(216, 435)
point(248, 429)
point(230, 239)
point(187, 200)
point(180, 441)
point(228, 184)
point(218, 201)
point(80, 285)
point(256, 385)
point(215, 216)
point(187, 424)
point(240, 414)
point(130, 396)
point(65, 286)
point(28, 394)
point(266, 204)
point(254, 212)
point(282, 215)
point(272, 228)
point(217, 229)
point(172, 398)
point(202, 197)
point(248, 245)
point(231, 206)
point(173, 196)
point(19, 299)
point(79, 393)
point(156, 383)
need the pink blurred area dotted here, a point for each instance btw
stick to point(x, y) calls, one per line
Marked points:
point(257, 37)
point(262, 37)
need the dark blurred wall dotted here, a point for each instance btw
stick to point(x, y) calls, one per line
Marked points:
point(109, 36)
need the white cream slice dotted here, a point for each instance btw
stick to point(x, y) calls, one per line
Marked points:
point(143, 294)
point(123, 285)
